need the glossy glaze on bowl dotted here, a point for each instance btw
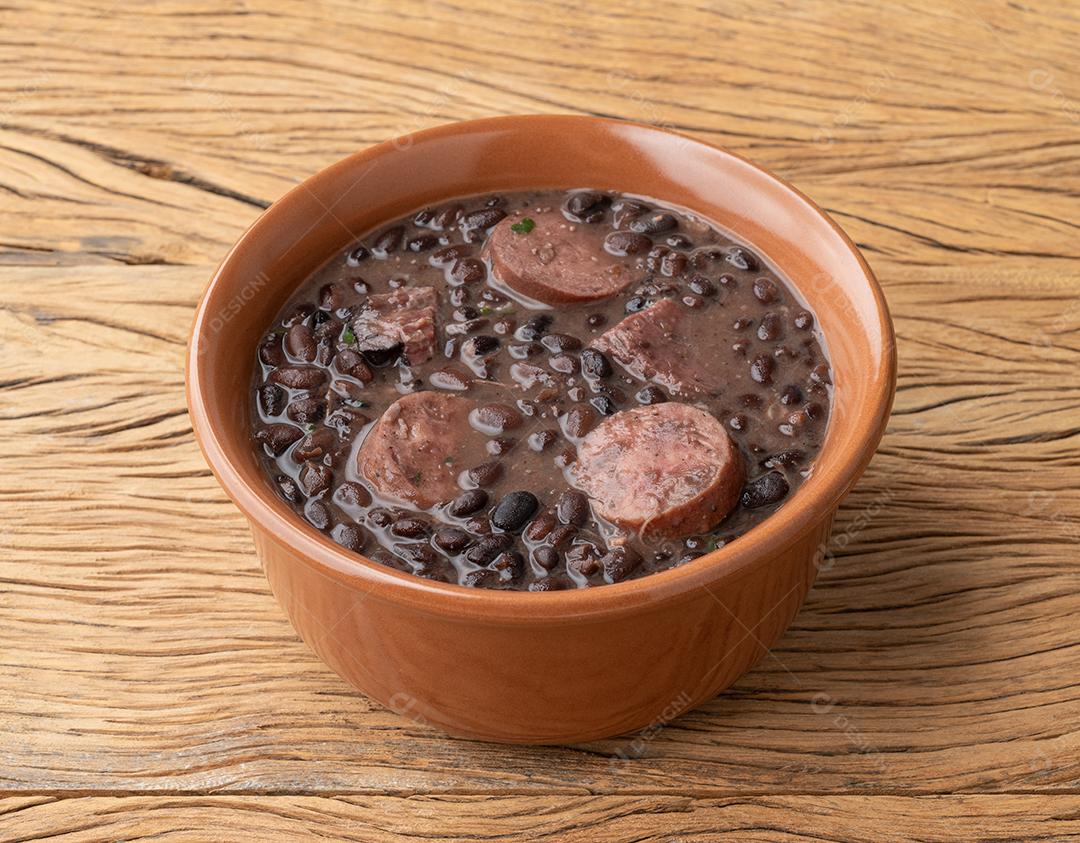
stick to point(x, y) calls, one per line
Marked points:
point(558, 666)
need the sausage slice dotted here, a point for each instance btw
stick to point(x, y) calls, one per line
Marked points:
point(667, 470)
point(556, 261)
point(409, 456)
point(669, 344)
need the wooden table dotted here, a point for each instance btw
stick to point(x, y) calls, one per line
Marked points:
point(150, 686)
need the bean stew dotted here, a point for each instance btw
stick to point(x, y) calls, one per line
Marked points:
point(541, 390)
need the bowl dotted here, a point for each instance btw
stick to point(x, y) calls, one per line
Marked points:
point(564, 666)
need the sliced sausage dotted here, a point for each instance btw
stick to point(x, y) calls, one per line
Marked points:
point(668, 344)
point(414, 453)
point(665, 471)
point(555, 261)
point(403, 319)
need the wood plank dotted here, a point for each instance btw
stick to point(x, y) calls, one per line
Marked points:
point(593, 819)
point(154, 133)
point(142, 651)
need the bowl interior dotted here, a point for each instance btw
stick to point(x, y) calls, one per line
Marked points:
point(335, 207)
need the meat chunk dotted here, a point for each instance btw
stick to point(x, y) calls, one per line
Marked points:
point(666, 471)
point(403, 319)
point(556, 261)
point(668, 344)
point(412, 455)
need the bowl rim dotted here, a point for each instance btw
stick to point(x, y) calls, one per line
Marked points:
point(756, 548)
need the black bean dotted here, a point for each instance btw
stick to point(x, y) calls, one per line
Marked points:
point(604, 405)
point(422, 243)
point(298, 377)
point(278, 437)
point(272, 399)
point(314, 445)
point(654, 223)
point(679, 241)
point(351, 536)
point(447, 216)
point(541, 526)
point(488, 548)
point(514, 511)
point(352, 494)
point(389, 241)
point(542, 439)
point(271, 352)
point(651, 395)
point(579, 421)
point(791, 395)
point(572, 507)
point(764, 490)
point(468, 271)
point(424, 217)
point(534, 327)
point(624, 243)
point(381, 518)
point(510, 564)
point(288, 488)
point(693, 301)
point(561, 537)
point(307, 411)
point(702, 286)
point(765, 290)
point(350, 362)
point(410, 528)
point(564, 364)
point(820, 373)
point(804, 320)
point(422, 556)
point(559, 343)
point(742, 323)
point(636, 303)
point(546, 557)
point(619, 563)
point(548, 584)
point(496, 418)
point(315, 478)
point(300, 342)
point(761, 368)
point(770, 328)
point(741, 258)
point(449, 254)
point(790, 457)
point(318, 514)
point(596, 320)
point(480, 579)
point(357, 255)
point(483, 219)
point(585, 206)
point(500, 445)
point(594, 364)
point(480, 345)
point(485, 474)
point(451, 539)
point(627, 209)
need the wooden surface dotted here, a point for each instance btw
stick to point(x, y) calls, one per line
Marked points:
point(149, 685)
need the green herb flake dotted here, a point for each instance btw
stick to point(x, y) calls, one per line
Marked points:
point(449, 461)
point(485, 310)
point(356, 402)
point(524, 227)
point(310, 428)
point(348, 336)
point(417, 478)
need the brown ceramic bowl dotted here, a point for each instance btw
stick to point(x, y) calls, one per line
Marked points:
point(557, 666)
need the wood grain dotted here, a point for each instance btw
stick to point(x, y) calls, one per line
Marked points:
point(148, 683)
point(565, 819)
